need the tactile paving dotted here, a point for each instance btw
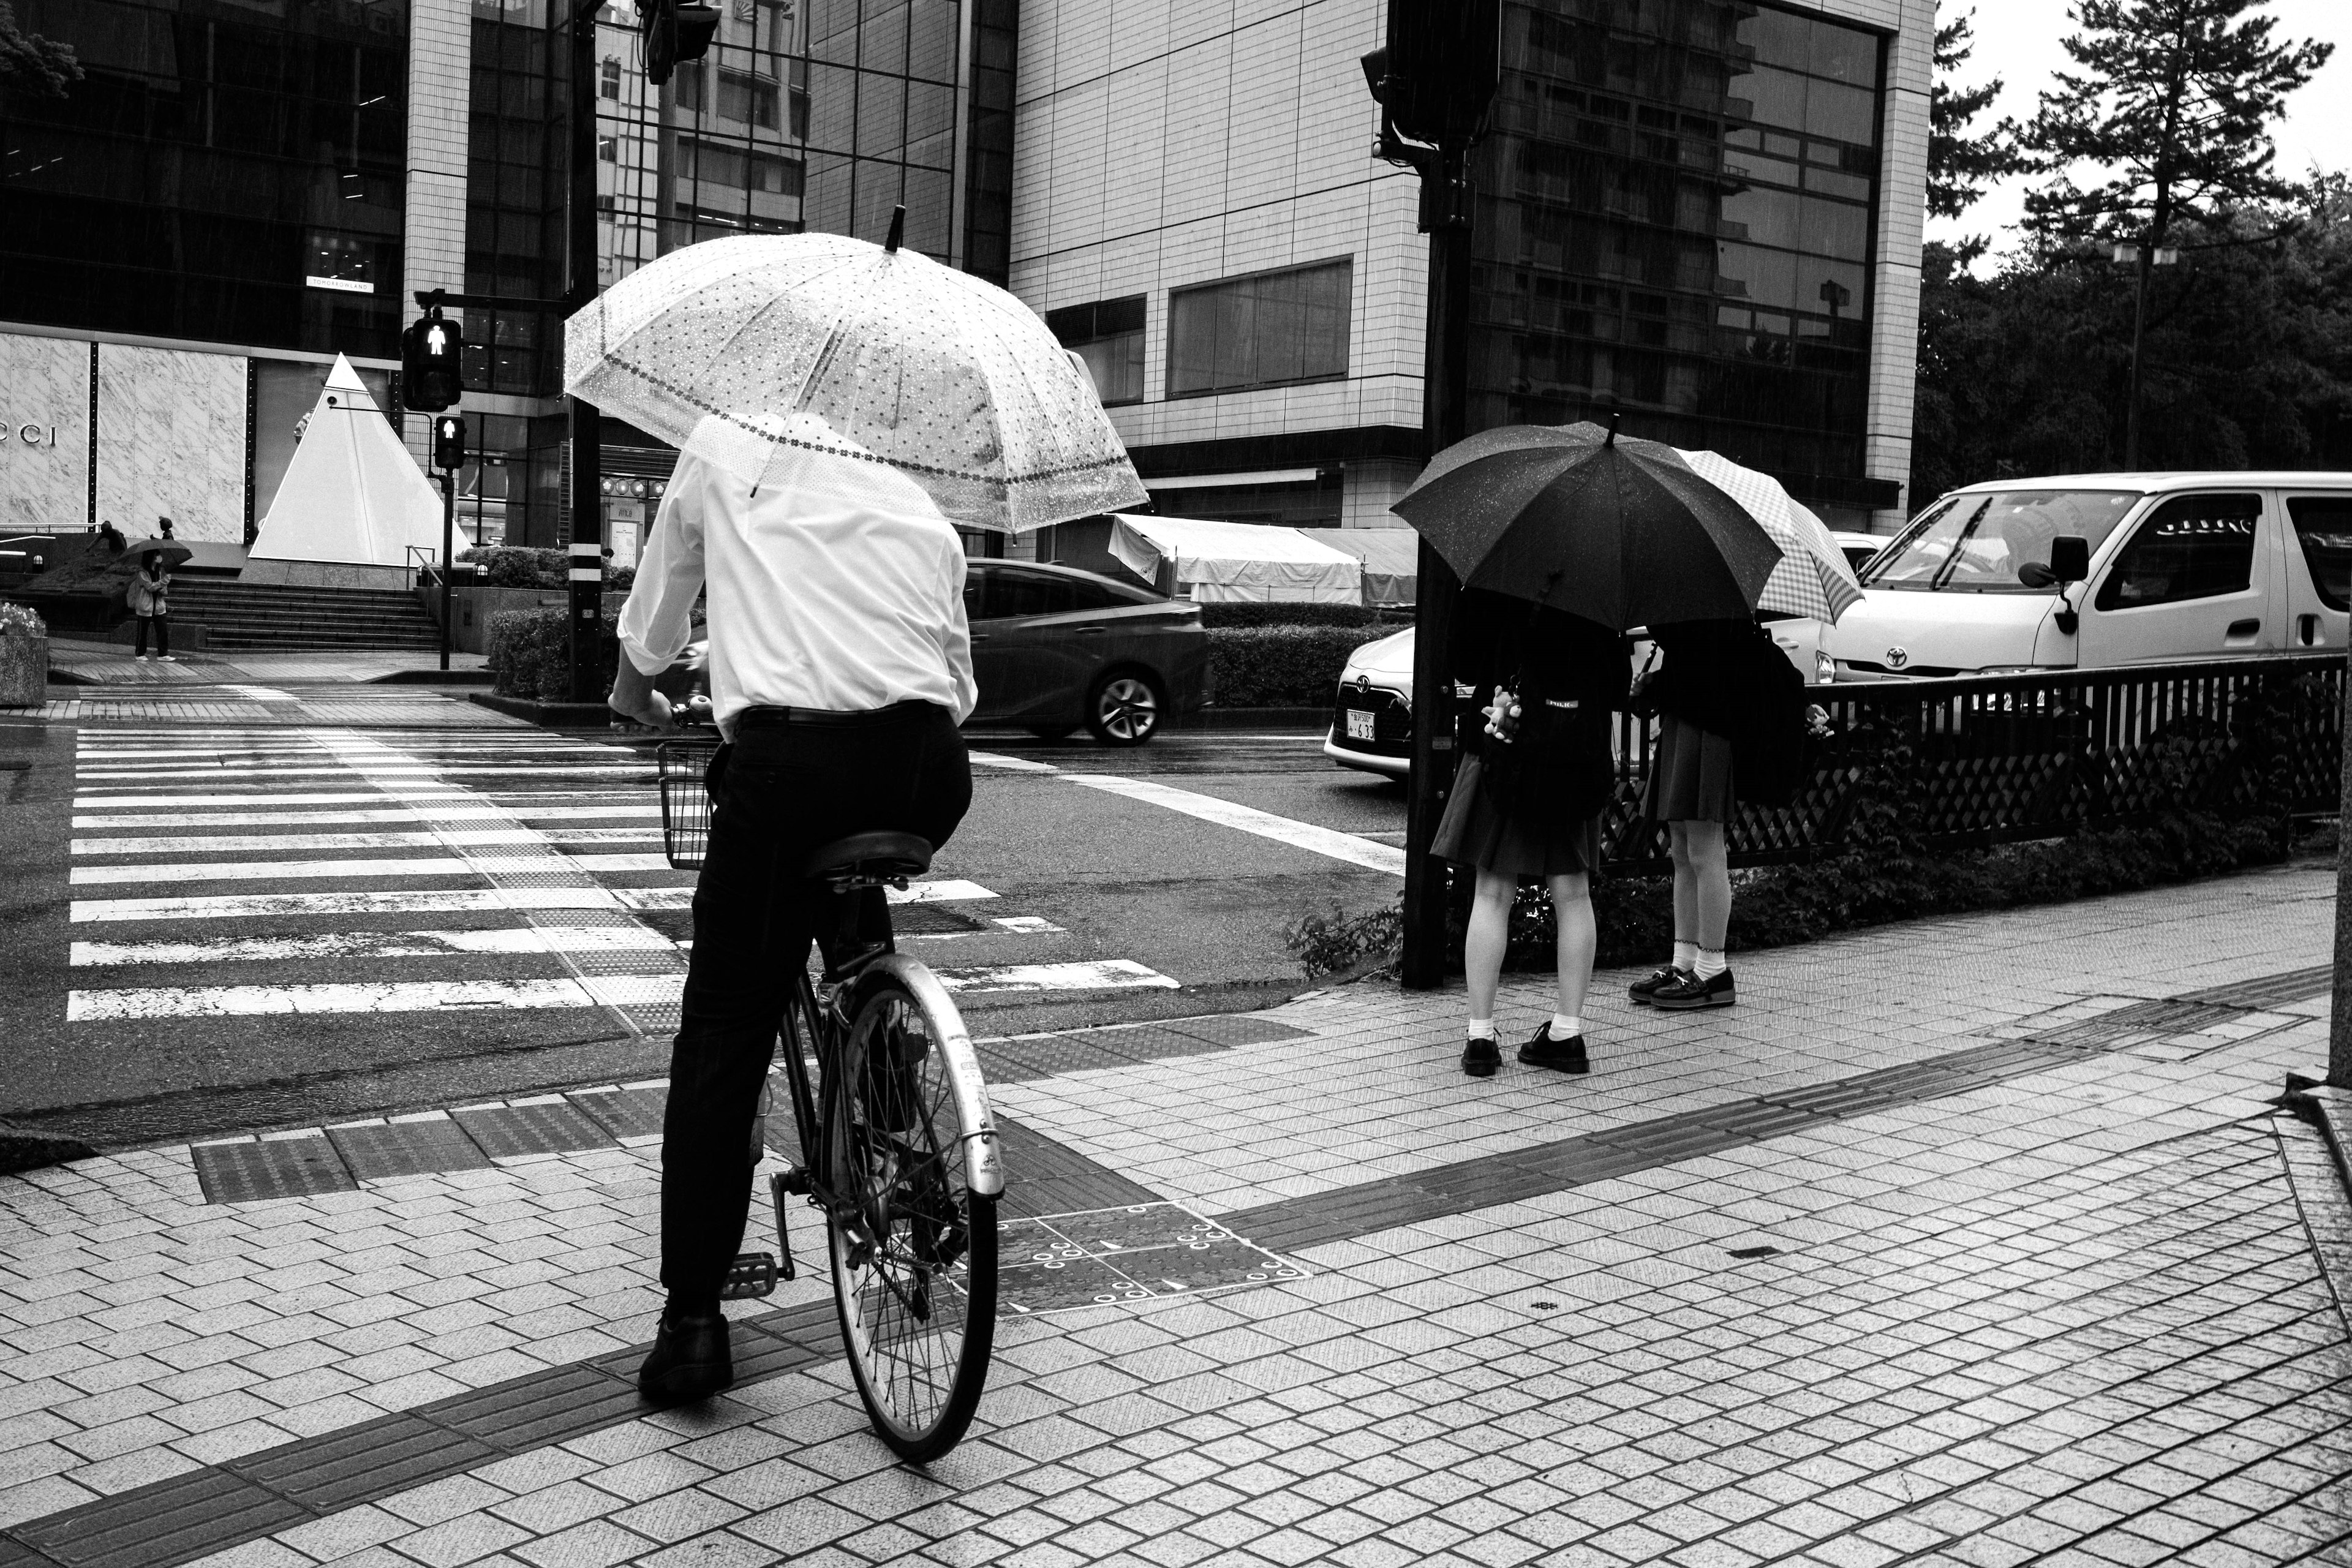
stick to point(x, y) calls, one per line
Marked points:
point(276, 1168)
point(624, 1112)
point(554, 1127)
point(375, 1153)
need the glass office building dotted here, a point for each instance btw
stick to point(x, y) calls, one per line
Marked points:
point(224, 173)
point(1676, 210)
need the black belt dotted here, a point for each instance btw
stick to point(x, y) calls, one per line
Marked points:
point(832, 718)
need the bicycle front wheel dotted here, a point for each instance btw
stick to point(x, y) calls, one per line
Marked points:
point(914, 1240)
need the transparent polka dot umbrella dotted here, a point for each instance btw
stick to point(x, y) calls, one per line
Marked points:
point(749, 351)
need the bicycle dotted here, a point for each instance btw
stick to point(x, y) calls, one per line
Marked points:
point(899, 1147)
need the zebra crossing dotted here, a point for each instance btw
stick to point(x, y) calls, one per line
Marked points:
point(271, 871)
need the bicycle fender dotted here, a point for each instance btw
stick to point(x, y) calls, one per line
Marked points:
point(984, 1151)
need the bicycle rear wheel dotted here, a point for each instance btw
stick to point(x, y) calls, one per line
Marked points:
point(914, 1245)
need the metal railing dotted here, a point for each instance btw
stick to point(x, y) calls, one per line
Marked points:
point(1983, 760)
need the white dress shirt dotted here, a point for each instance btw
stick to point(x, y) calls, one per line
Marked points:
point(836, 585)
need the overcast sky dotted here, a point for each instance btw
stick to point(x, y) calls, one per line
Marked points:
point(2019, 40)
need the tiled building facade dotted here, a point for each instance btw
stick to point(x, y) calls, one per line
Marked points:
point(1708, 209)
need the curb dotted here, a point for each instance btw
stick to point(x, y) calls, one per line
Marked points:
point(554, 715)
point(2330, 1108)
point(431, 677)
point(1316, 718)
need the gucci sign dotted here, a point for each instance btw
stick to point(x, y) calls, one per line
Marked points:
point(30, 435)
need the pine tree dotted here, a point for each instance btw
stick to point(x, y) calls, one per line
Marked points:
point(33, 64)
point(2170, 108)
point(1961, 162)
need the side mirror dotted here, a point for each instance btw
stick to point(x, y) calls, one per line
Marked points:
point(2070, 558)
point(2034, 575)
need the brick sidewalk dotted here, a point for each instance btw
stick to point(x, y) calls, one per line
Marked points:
point(1972, 1242)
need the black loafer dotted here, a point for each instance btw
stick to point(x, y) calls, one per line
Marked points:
point(1480, 1059)
point(1561, 1055)
point(690, 1360)
point(1689, 992)
point(1641, 991)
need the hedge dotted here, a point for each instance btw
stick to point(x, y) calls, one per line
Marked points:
point(1281, 666)
point(518, 566)
point(529, 654)
point(1257, 614)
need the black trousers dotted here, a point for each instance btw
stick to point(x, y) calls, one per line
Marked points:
point(782, 790)
point(162, 625)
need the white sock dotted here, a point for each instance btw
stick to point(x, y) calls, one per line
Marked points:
point(1566, 1026)
point(1482, 1028)
point(1686, 955)
point(1710, 963)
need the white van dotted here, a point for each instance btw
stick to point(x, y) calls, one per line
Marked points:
point(2092, 571)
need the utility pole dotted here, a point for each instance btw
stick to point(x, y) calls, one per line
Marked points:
point(1434, 81)
point(587, 576)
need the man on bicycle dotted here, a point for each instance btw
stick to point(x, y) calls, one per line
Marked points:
point(840, 666)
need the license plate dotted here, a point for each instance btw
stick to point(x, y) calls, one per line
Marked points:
point(1360, 724)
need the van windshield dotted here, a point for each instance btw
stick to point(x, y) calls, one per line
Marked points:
point(1977, 543)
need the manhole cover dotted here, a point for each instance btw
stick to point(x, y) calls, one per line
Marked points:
point(1141, 1252)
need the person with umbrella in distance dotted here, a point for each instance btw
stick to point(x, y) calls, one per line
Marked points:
point(150, 585)
point(840, 408)
point(1585, 528)
point(1528, 803)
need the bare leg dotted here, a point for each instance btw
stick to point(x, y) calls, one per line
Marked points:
point(1711, 883)
point(1686, 882)
point(1572, 905)
point(1489, 934)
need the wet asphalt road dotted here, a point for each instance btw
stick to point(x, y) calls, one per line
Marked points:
point(1202, 904)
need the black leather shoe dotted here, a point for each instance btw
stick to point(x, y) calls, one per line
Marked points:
point(1641, 991)
point(1689, 992)
point(690, 1359)
point(1480, 1058)
point(1561, 1055)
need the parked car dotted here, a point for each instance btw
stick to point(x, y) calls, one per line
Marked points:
point(2096, 571)
point(1054, 648)
point(1859, 548)
point(1372, 719)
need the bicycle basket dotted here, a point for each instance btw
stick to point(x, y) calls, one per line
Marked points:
point(685, 804)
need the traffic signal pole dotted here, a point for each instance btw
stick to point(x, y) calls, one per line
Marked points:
point(587, 577)
point(449, 554)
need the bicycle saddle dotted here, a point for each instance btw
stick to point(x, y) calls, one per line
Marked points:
point(870, 857)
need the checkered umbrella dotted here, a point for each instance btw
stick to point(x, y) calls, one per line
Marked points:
point(752, 352)
point(1814, 577)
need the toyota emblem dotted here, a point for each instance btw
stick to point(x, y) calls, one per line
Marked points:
point(1363, 683)
point(1896, 658)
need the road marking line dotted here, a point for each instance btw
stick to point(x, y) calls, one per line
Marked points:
point(421, 901)
point(253, 1001)
point(288, 843)
point(502, 940)
point(282, 818)
point(1298, 835)
point(298, 870)
point(1017, 764)
point(405, 774)
point(1095, 974)
point(947, 890)
point(106, 802)
point(1027, 925)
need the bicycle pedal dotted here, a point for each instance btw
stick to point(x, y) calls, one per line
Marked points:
point(794, 1179)
point(751, 1274)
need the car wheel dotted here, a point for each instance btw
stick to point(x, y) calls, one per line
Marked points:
point(1049, 734)
point(1124, 709)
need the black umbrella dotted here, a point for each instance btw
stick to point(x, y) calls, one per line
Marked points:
point(171, 549)
point(1616, 531)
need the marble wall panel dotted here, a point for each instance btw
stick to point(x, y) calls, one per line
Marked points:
point(44, 382)
point(171, 441)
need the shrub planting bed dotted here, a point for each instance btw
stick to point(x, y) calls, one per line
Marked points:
point(1282, 666)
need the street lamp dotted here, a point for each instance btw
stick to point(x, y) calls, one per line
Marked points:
point(2144, 259)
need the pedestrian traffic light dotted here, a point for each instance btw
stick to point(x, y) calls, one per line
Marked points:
point(449, 443)
point(431, 352)
point(1438, 74)
point(674, 34)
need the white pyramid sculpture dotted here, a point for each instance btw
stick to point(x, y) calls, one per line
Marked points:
point(352, 495)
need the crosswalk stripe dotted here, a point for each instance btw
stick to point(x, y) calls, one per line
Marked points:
point(102, 801)
point(1093, 975)
point(398, 814)
point(564, 770)
point(281, 843)
point(306, 870)
point(496, 939)
point(1347, 847)
point(257, 1001)
point(420, 901)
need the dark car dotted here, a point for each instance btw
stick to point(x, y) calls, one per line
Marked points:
point(1054, 647)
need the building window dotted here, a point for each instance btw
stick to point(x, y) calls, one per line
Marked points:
point(608, 80)
point(737, 168)
point(1108, 336)
point(1273, 328)
point(608, 149)
point(747, 98)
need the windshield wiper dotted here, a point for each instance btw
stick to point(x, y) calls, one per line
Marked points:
point(1952, 562)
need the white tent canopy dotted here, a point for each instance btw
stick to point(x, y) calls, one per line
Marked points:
point(1392, 558)
point(1227, 563)
point(352, 495)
